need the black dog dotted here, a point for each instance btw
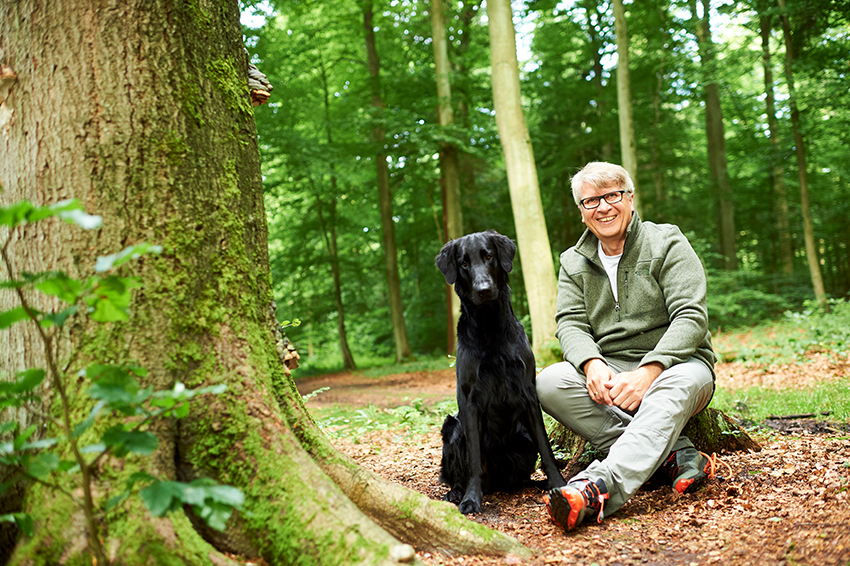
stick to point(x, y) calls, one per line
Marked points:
point(493, 442)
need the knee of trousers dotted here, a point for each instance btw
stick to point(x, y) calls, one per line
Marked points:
point(554, 382)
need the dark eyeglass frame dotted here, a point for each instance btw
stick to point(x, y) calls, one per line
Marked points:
point(611, 198)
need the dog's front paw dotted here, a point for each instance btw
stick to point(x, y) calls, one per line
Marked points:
point(470, 505)
point(454, 496)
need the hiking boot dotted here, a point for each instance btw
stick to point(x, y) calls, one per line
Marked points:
point(570, 505)
point(687, 468)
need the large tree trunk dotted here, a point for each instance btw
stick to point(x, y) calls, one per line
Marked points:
point(800, 146)
point(142, 112)
point(628, 146)
point(532, 236)
point(777, 173)
point(716, 138)
point(385, 197)
point(449, 163)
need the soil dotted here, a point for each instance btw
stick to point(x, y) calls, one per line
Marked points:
point(785, 505)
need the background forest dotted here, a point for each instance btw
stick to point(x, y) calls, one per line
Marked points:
point(784, 117)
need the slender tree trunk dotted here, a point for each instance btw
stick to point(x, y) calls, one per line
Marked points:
point(799, 143)
point(783, 229)
point(532, 235)
point(601, 109)
point(385, 199)
point(164, 147)
point(628, 146)
point(329, 233)
point(466, 162)
point(449, 164)
point(716, 137)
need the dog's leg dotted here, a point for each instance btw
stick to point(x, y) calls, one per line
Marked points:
point(470, 418)
point(547, 458)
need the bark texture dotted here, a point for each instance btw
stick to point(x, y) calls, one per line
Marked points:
point(532, 235)
point(142, 111)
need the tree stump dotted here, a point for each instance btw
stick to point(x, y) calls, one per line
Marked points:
point(710, 430)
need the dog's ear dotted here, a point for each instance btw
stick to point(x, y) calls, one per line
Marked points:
point(445, 261)
point(506, 249)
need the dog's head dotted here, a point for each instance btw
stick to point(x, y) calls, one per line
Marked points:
point(478, 265)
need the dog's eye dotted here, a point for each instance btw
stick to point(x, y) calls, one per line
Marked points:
point(489, 257)
point(463, 264)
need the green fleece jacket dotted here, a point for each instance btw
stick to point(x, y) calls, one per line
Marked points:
point(661, 314)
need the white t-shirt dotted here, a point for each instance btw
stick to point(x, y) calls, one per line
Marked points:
point(610, 263)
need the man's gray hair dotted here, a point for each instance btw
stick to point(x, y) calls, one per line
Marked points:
point(599, 174)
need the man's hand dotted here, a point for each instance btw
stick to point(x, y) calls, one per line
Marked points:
point(628, 388)
point(598, 376)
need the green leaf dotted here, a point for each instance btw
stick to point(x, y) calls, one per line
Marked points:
point(58, 284)
point(22, 438)
point(59, 318)
point(110, 298)
point(68, 466)
point(14, 214)
point(27, 380)
point(10, 317)
point(105, 263)
point(123, 441)
point(23, 520)
point(38, 444)
point(93, 448)
point(43, 465)
point(8, 426)
point(162, 497)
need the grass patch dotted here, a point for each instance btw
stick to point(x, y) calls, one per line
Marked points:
point(407, 420)
point(788, 340)
point(372, 366)
point(757, 404)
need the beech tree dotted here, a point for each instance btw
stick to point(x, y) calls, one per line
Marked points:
point(532, 234)
point(142, 113)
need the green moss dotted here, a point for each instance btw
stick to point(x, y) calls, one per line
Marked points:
point(192, 102)
point(174, 148)
point(222, 72)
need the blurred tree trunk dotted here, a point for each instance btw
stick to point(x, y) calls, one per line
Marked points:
point(799, 143)
point(466, 161)
point(598, 44)
point(164, 147)
point(628, 146)
point(532, 236)
point(783, 227)
point(448, 151)
point(329, 232)
point(716, 137)
point(385, 198)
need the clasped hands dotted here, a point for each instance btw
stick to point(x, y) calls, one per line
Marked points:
point(625, 390)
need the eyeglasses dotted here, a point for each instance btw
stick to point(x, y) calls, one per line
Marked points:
point(590, 203)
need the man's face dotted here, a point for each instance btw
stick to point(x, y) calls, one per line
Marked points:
point(608, 222)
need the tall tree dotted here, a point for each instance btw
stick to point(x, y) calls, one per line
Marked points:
point(780, 198)
point(628, 146)
point(385, 198)
point(532, 235)
point(716, 137)
point(176, 162)
point(449, 164)
point(329, 228)
point(800, 149)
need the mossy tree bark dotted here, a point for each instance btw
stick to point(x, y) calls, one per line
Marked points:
point(142, 112)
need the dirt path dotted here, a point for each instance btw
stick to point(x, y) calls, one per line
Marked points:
point(786, 505)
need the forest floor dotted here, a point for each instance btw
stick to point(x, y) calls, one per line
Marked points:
point(785, 505)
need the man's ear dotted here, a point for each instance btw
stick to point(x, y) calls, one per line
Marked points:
point(506, 249)
point(446, 262)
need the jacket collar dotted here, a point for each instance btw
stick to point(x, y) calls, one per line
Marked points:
point(588, 244)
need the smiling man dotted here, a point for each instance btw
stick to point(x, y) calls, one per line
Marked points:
point(633, 328)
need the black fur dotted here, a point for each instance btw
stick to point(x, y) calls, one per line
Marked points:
point(493, 442)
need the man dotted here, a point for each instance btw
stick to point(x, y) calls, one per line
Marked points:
point(633, 327)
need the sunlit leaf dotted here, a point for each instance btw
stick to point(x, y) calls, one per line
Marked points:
point(105, 263)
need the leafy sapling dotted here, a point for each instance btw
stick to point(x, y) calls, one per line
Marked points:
point(115, 388)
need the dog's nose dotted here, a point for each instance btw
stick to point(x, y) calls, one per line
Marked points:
point(484, 292)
